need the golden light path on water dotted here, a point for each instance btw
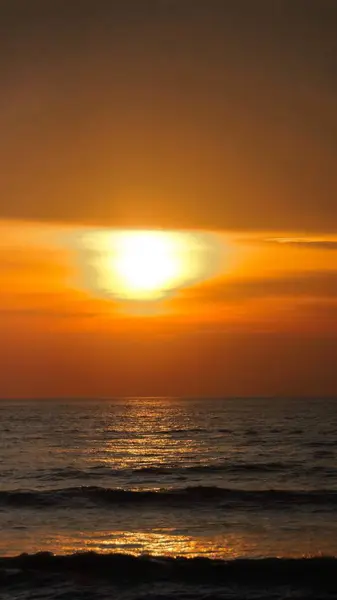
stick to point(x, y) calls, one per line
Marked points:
point(161, 542)
point(144, 265)
point(156, 542)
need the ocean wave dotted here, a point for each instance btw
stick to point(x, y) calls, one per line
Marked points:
point(188, 497)
point(225, 467)
point(183, 430)
point(99, 471)
point(317, 572)
point(322, 443)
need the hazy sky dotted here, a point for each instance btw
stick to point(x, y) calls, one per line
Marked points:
point(201, 114)
point(206, 113)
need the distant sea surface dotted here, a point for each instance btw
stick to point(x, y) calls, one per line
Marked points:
point(166, 477)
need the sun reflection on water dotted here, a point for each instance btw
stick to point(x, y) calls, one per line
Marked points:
point(165, 543)
point(161, 542)
point(148, 436)
point(158, 543)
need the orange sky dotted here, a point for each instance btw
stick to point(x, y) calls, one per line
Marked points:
point(265, 324)
point(202, 115)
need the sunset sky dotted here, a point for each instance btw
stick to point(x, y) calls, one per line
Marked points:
point(216, 119)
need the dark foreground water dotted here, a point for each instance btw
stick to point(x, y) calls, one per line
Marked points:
point(253, 482)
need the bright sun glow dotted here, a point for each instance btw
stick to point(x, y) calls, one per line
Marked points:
point(147, 263)
point(143, 265)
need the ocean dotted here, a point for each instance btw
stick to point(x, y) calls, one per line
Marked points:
point(168, 497)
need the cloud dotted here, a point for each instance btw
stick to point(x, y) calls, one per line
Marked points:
point(43, 313)
point(312, 284)
point(303, 243)
point(53, 305)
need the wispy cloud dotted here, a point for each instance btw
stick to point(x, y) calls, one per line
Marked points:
point(305, 244)
point(294, 242)
point(45, 313)
point(314, 284)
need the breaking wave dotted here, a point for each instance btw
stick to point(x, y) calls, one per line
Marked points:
point(320, 571)
point(184, 497)
point(166, 470)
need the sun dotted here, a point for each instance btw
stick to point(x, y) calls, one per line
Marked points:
point(143, 265)
point(147, 263)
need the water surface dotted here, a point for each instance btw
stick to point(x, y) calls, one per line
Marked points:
point(218, 478)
